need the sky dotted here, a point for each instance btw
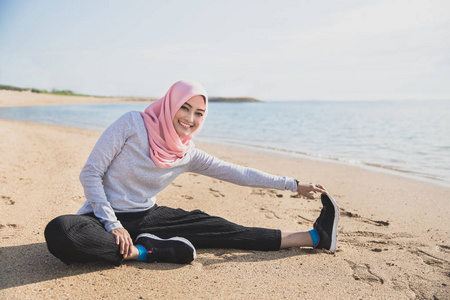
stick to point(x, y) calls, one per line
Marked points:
point(269, 50)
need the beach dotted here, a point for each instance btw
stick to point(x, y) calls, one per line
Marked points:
point(393, 237)
point(13, 98)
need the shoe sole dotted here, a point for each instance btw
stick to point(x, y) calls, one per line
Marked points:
point(176, 238)
point(335, 223)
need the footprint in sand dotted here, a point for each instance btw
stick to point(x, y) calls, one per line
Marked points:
point(299, 218)
point(425, 288)
point(216, 193)
point(8, 231)
point(379, 241)
point(444, 248)
point(433, 260)
point(263, 192)
point(364, 273)
point(7, 200)
point(270, 214)
point(303, 197)
point(357, 217)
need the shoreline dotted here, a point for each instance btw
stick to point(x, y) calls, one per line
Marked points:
point(10, 98)
point(392, 239)
point(412, 175)
point(368, 166)
point(290, 153)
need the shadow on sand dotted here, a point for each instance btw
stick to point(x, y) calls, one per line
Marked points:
point(25, 264)
point(28, 264)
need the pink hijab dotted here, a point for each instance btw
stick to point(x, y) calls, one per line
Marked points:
point(166, 147)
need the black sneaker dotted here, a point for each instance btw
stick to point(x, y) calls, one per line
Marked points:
point(326, 224)
point(176, 250)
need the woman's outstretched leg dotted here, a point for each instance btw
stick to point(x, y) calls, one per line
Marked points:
point(291, 239)
point(205, 231)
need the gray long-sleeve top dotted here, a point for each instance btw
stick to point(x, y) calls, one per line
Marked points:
point(119, 175)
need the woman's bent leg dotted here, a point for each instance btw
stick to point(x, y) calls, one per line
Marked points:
point(81, 238)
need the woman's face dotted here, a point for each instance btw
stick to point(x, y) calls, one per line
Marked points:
point(190, 115)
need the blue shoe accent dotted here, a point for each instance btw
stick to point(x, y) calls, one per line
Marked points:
point(315, 237)
point(142, 253)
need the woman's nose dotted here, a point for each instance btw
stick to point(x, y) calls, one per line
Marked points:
point(190, 117)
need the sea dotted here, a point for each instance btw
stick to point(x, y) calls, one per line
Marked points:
point(407, 138)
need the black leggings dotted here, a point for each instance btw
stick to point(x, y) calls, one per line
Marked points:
point(82, 238)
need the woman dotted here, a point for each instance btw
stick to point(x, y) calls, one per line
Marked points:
point(137, 157)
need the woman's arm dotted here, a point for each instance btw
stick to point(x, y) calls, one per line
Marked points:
point(108, 146)
point(211, 166)
point(205, 164)
point(105, 150)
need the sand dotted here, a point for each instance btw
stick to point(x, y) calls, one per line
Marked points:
point(393, 238)
point(25, 98)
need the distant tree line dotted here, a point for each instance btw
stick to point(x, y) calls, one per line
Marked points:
point(233, 99)
point(70, 93)
point(33, 90)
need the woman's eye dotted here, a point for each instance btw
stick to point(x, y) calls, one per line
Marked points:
point(185, 108)
point(199, 114)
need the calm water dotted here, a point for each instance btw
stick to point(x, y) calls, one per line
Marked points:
point(408, 137)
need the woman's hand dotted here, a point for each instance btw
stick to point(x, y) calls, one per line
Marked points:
point(309, 189)
point(123, 239)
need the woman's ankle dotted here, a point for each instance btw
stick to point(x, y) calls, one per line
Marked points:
point(134, 254)
point(291, 239)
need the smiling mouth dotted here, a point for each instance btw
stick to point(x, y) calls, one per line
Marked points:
point(184, 125)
